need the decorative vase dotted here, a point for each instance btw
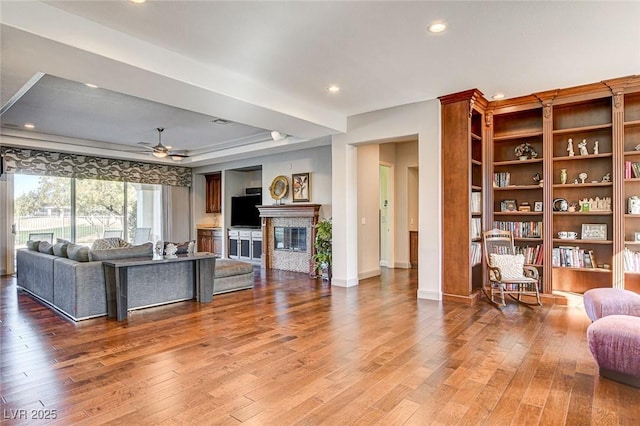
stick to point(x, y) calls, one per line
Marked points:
point(563, 176)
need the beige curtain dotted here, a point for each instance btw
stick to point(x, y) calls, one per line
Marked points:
point(176, 213)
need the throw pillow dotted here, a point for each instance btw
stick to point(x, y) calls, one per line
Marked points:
point(63, 241)
point(45, 247)
point(78, 253)
point(109, 243)
point(511, 266)
point(60, 249)
point(33, 245)
point(183, 248)
point(143, 250)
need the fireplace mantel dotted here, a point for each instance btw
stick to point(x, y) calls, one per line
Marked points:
point(309, 212)
point(290, 210)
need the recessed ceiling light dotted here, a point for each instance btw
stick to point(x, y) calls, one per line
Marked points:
point(29, 126)
point(93, 86)
point(137, 1)
point(333, 88)
point(497, 96)
point(437, 27)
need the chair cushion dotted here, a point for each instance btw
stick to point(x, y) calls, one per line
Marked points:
point(511, 266)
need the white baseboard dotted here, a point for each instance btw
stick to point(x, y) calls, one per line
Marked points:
point(384, 263)
point(368, 274)
point(429, 295)
point(344, 283)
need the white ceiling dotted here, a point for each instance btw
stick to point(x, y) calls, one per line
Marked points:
point(267, 65)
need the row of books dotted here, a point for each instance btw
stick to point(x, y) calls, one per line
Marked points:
point(501, 179)
point(631, 169)
point(520, 229)
point(631, 261)
point(533, 255)
point(476, 202)
point(476, 253)
point(573, 257)
point(476, 228)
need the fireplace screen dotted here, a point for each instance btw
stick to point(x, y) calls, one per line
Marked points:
point(290, 238)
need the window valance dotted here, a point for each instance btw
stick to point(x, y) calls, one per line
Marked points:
point(50, 163)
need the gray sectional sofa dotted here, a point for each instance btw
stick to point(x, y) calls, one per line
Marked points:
point(75, 285)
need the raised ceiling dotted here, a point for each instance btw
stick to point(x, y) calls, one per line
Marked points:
point(267, 65)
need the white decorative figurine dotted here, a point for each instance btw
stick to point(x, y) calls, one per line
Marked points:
point(158, 249)
point(570, 147)
point(606, 178)
point(170, 251)
point(582, 176)
point(596, 149)
point(191, 248)
point(583, 147)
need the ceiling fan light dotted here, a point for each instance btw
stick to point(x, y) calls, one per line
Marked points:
point(159, 154)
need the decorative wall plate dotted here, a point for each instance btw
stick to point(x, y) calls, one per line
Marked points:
point(279, 187)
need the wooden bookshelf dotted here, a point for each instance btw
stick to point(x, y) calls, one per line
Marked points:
point(464, 167)
point(607, 112)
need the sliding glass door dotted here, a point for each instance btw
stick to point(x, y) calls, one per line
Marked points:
point(42, 208)
point(84, 210)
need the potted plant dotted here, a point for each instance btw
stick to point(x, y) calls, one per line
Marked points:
point(524, 151)
point(322, 245)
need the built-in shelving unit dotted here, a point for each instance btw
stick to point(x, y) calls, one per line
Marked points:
point(463, 194)
point(574, 196)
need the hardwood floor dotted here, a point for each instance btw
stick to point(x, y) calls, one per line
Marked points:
point(297, 351)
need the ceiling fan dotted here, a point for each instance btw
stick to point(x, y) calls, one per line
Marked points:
point(163, 151)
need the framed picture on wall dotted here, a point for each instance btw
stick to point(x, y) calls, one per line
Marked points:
point(301, 187)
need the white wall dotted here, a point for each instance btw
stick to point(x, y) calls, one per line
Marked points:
point(368, 226)
point(421, 119)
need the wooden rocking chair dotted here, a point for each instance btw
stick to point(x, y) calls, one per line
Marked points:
point(508, 275)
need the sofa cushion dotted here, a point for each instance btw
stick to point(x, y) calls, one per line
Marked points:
point(183, 248)
point(33, 245)
point(78, 253)
point(109, 243)
point(60, 249)
point(143, 250)
point(229, 267)
point(62, 240)
point(45, 247)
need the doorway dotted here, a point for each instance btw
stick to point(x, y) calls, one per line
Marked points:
point(386, 222)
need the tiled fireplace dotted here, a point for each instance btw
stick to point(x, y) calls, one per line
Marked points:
point(288, 232)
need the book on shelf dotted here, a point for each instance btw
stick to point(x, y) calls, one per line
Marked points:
point(631, 260)
point(476, 228)
point(631, 169)
point(573, 257)
point(476, 202)
point(501, 179)
point(520, 229)
point(533, 255)
point(475, 253)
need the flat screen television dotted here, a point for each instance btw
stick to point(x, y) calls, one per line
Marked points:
point(244, 211)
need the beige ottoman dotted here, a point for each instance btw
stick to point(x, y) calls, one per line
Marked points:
point(232, 275)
